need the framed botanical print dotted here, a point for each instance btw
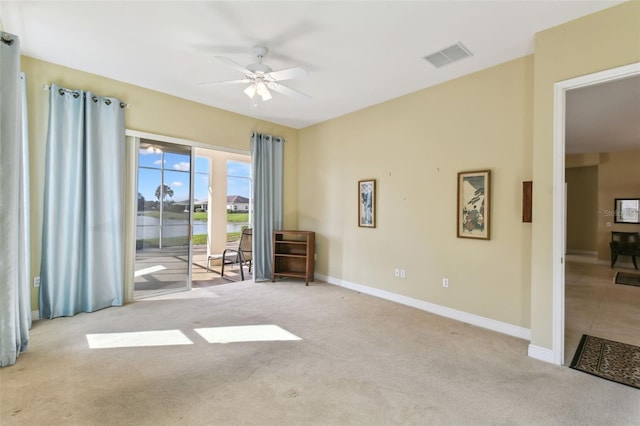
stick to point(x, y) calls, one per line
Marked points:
point(367, 203)
point(474, 204)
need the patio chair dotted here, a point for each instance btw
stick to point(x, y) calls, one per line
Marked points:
point(242, 255)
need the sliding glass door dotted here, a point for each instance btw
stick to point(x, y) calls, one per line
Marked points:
point(164, 218)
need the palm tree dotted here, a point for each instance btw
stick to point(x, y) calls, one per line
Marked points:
point(141, 201)
point(165, 190)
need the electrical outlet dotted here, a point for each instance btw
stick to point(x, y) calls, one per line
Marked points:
point(445, 282)
point(403, 273)
point(397, 272)
point(36, 281)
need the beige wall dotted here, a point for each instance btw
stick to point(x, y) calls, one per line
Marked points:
point(618, 177)
point(151, 112)
point(592, 191)
point(597, 42)
point(415, 146)
point(582, 209)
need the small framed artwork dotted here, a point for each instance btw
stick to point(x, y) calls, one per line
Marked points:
point(367, 203)
point(626, 210)
point(474, 204)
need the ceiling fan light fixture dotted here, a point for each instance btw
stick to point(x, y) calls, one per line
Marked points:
point(256, 103)
point(262, 90)
point(262, 79)
point(250, 91)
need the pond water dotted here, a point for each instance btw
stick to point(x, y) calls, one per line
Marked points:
point(177, 228)
point(200, 227)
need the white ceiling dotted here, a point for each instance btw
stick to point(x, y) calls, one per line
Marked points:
point(604, 117)
point(357, 53)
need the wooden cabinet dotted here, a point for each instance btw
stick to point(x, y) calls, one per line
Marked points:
point(294, 254)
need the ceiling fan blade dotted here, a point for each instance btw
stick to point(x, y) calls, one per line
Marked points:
point(287, 74)
point(237, 66)
point(243, 80)
point(288, 91)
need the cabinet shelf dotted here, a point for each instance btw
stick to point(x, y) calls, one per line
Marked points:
point(293, 255)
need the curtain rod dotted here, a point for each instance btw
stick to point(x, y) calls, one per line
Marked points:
point(77, 93)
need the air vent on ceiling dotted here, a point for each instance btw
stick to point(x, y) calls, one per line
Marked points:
point(448, 55)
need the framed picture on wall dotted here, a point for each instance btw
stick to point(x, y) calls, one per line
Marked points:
point(626, 210)
point(367, 203)
point(474, 204)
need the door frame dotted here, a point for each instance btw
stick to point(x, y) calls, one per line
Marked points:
point(559, 193)
point(131, 194)
point(172, 148)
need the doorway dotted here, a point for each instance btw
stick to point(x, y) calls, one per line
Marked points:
point(222, 209)
point(559, 196)
point(176, 211)
point(164, 221)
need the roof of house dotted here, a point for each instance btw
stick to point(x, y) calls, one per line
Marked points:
point(237, 199)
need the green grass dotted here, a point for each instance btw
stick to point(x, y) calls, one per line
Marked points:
point(202, 238)
point(233, 236)
point(202, 216)
point(167, 215)
point(199, 239)
point(166, 242)
point(238, 217)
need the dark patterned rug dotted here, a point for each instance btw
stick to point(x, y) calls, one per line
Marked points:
point(627, 278)
point(610, 360)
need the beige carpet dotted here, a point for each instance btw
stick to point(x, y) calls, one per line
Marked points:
point(359, 361)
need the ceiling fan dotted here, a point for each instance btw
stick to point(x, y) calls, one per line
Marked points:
point(261, 79)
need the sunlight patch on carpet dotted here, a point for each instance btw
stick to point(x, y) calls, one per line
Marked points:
point(138, 339)
point(246, 333)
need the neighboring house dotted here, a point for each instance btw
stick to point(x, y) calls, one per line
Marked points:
point(237, 203)
point(198, 205)
point(201, 205)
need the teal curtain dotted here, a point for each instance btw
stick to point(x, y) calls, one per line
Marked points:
point(83, 219)
point(15, 300)
point(267, 161)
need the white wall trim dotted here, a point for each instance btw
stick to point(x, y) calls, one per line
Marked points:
point(35, 315)
point(180, 141)
point(541, 354)
point(488, 323)
point(558, 226)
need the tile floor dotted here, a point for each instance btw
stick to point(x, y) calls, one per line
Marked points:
point(596, 306)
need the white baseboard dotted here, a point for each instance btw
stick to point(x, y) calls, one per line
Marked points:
point(35, 315)
point(488, 323)
point(541, 354)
